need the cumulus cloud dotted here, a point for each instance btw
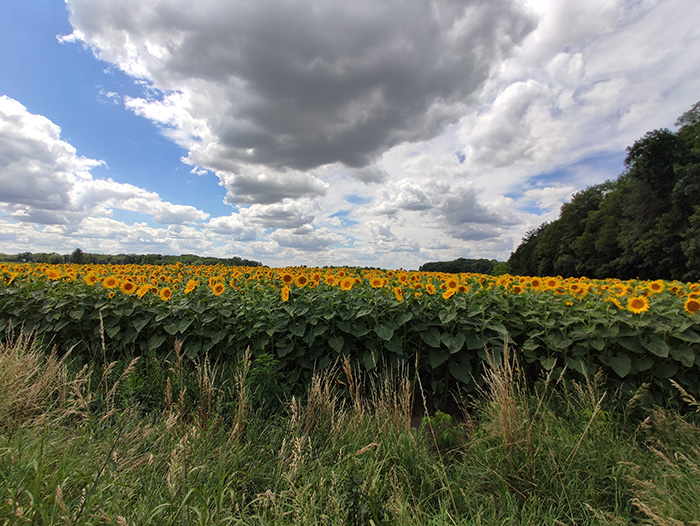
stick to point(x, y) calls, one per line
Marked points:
point(307, 238)
point(44, 181)
point(292, 86)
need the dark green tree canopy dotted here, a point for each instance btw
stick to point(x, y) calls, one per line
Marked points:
point(645, 224)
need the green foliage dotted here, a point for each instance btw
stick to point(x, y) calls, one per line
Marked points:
point(480, 266)
point(444, 339)
point(638, 226)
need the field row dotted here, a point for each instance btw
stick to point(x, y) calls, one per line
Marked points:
point(307, 317)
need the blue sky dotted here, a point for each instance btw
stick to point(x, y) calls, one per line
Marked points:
point(324, 133)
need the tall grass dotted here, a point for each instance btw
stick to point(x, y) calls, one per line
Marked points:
point(146, 443)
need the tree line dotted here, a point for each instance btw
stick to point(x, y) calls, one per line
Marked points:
point(80, 257)
point(645, 224)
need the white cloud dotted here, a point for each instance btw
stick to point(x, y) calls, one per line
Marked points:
point(335, 127)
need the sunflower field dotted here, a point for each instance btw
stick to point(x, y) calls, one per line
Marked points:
point(442, 324)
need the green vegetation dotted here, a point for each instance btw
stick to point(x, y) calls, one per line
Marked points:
point(478, 266)
point(645, 224)
point(182, 443)
point(85, 258)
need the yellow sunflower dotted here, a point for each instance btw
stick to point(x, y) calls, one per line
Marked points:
point(191, 284)
point(376, 283)
point(656, 286)
point(287, 278)
point(165, 293)
point(301, 280)
point(448, 293)
point(218, 288)
point(110, 282)
point(638, 304)
point(692, 306)
point(398, 293)
point(127, 287)
point(347, 283)
point(285, 293)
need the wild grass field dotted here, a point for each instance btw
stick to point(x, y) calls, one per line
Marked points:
point(184, 442)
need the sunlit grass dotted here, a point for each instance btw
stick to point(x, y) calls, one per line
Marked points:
point(141, 443)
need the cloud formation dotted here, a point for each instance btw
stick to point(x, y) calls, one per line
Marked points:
point(44, 181)
point(261, 91)
point(372, 133)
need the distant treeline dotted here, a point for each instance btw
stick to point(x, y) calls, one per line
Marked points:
point(80, 257)
point(645, 224)
point(480, 266)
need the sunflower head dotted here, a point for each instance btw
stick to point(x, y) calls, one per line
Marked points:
point(285, 293)
point(127, 287)
point(218, 288)
point(110, 282)
point(638, 304)
point(165, 293)
point(692, 305)
point(347, 283)
point(301, 280)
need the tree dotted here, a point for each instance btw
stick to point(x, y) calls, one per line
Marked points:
point(77, 257)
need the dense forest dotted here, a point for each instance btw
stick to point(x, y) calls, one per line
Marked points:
point(80, 257)
point(481, 266)
point(645, 224)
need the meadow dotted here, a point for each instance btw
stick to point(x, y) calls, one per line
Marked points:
point(248, 395)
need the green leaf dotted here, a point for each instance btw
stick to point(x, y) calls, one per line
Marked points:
point(548, 362)
point(656, 345)
point(171, 328)
point(447, 315)
point(688, 335)
point(461, 370)
point(431, 337)
point(437, 357)
point(685, 355)
point(336, 343)
point(155, 341)
point(298, 329)
point(454, 343)
point(665, 369)
point(140, 323)
point(184, 324)
point(621, 364)
point(384, 332)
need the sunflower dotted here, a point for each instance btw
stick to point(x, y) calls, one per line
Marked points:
point(54, 274)
point(656, 286)
point(517, 289)
point(191, 284)
point(90, 278)
point(692, 306)
point(451, 283)
point(536, 283)
point(448, 293)
point(376, 283)
point(165, 293)
point(638, 304)
point(430, 288)
point(301, 280)
point(285, 293)
point(347, 283)
point(287, 278)
point(398, 293)
point(143, 290)
point(218, 288)
point(110, 282)
point(127, 287)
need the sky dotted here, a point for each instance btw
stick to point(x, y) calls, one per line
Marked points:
point(324, 132)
